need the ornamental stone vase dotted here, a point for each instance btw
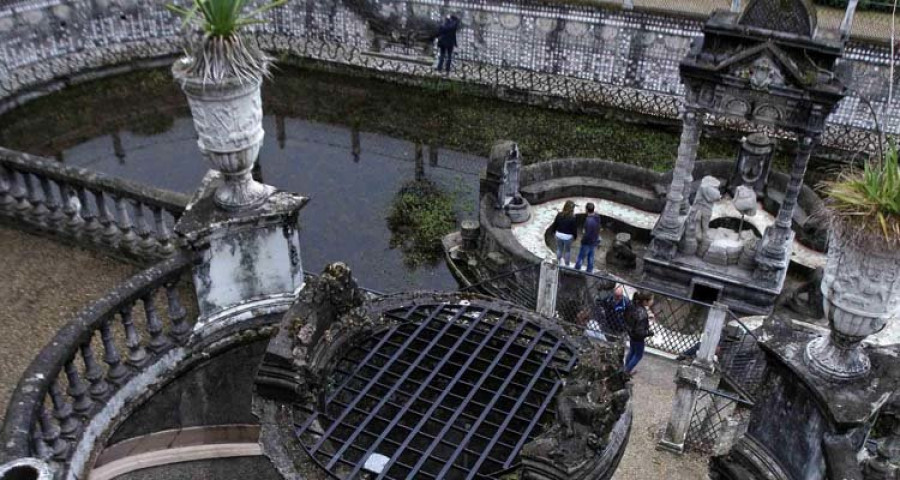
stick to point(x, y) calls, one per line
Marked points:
point(861, 296)
point(228, 119)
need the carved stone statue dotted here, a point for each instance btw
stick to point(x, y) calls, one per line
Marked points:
point(328, 305)
point(697, 228)
point(593, 398)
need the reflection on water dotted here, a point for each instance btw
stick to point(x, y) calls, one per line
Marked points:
point(351, 178)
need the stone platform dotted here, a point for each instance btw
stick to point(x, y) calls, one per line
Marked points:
point(530, 234)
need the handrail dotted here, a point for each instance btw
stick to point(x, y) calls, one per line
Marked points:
point(89, 386)
point(84, 178)
point(123, 218)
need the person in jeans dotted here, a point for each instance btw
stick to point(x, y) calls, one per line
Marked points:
point(590, 240)
point(565, 230)
point(637, 323)
point(447, 41)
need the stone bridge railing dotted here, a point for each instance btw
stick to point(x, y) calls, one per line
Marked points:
point(92, 358)
point(123, 218)
point(572, 55)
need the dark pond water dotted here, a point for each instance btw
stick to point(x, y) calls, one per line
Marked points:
point(137, 126)
point(350, 195)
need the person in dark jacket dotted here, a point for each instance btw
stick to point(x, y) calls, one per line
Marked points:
point(590, 240)
point(637, 323)
point(447, 41)
point(565, 230)
point(610, 311)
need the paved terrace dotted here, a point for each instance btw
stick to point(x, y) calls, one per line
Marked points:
point(43, 283)
point(530, 234)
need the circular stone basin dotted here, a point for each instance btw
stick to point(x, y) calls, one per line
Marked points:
point(449, 391)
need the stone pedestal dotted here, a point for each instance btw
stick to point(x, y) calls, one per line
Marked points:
point(805, 427)
point(249, 259)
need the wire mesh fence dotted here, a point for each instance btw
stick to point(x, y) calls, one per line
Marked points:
point(518, 286)
point(590, 299)
point(740, 358)
point(715, 421)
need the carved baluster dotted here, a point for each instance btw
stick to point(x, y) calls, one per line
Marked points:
point(147, 245)
point(39, 211)
point(92, 226)
point(56, 217)
point(62, 410)
point(128, 239)
point(158, 341)
point(163, 234)
point(93, 372)
point(43, 451)
point(136, 353)
point(71, 208)
point(110, 235)
point(50, 434)
point(81, 401)
point(116, 372)
point(180, 328)
point(20, 193)
point(7, 185)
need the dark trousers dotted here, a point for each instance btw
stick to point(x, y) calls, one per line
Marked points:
point(446, 53)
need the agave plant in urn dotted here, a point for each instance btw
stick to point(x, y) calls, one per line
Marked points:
point(221, 74)
point(861, 285)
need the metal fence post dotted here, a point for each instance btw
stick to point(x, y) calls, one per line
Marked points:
point(548, 284)
point(712, 332)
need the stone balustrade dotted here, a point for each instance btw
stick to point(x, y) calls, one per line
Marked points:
point(120, 217)
point(93, 356)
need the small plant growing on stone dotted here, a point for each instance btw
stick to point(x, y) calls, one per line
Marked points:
point(221, 52)
point(867, 202)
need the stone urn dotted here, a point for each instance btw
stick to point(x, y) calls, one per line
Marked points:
point(228, 118)
point(861, 296)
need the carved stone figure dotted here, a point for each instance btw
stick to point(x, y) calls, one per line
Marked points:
point(593, 398)
point(327, 306)
point(701, 212)
point(885, 465)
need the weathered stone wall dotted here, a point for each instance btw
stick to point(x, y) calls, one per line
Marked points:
point(628, 59)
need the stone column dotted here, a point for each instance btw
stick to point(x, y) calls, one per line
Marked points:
point(547, 287)
point(669, 228)
point(688, 380)
point(774, 253)
point(712, 332)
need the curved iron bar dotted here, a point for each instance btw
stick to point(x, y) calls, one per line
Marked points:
point(44, 421)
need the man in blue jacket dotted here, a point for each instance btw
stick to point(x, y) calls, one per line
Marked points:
point(447, 41)
point(590, 240)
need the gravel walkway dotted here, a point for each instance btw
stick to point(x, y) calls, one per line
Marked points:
point(653, 389)
point(42, 285)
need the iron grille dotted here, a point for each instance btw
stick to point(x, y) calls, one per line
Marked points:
point(709, 419)
point(450, 391)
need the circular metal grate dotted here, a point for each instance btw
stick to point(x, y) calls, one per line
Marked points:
point(449, 391)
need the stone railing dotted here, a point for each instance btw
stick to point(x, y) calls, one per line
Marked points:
point(526, 50)
point(93, 357)
point(125, 219)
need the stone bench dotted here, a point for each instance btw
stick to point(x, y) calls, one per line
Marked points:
point(593, 187)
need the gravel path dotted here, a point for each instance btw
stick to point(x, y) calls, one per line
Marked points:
point(653, 389)
point(42, 284)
